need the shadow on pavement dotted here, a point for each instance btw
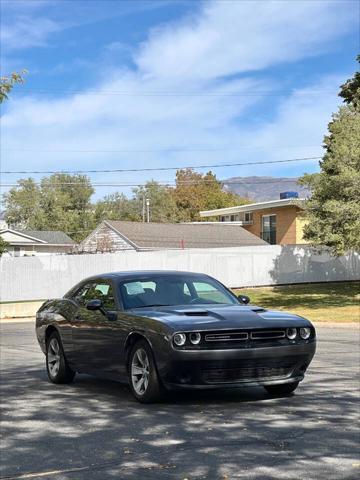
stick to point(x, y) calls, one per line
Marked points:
point(95, 429)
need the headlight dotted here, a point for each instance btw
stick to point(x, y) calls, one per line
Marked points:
point(291, 333)
point(179, 339)
point(305, 333)
point(195, 338)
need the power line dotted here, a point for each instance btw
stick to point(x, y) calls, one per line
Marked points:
point(154, 169)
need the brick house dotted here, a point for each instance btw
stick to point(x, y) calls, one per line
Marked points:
point(277, 221)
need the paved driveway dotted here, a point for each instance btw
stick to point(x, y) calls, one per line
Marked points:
point(93, 429)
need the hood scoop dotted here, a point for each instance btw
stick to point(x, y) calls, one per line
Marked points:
point(258, 309)
point(196, 313)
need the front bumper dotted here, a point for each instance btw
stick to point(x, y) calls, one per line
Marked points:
point(236, 367)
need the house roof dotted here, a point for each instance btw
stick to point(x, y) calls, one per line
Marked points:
point(295, 202)
point(49, 237)
point(178, 235)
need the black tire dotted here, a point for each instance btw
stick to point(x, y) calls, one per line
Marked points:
point(151, 390)
point(283, 389)
point(57, 367)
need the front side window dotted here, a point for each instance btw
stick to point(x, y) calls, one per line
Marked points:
point(173, 290)
point(96, 290)
point(80, 295)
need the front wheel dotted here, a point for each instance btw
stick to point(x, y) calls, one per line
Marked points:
point(143, 376)
point(57, 367)
point(284, 389)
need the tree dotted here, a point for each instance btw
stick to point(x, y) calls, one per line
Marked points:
point(60, 202)
point(7, 84)
point(163, 207)
point(3, 246)
point(350, 90)
point(333, 209)
point(195, 192)
point(22, 204)
point(116, 206)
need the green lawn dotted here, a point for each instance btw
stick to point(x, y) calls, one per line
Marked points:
point(323, 302)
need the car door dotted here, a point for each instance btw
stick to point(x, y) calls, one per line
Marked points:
point(98, 336)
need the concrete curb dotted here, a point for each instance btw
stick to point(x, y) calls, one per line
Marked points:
point(17, 320)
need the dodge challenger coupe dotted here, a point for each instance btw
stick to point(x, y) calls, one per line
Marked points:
point(161, 330)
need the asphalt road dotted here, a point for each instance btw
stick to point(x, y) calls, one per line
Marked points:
point(93, 429)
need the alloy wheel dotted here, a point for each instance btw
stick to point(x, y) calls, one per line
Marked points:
point(140, 371)
point(53, 357)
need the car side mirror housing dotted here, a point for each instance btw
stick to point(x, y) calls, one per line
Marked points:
point(244, 299)
point(94, 304)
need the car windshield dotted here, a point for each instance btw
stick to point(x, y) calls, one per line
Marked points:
point(167, 290)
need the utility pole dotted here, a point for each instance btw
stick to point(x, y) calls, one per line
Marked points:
point(148, 210)
point(143, 209)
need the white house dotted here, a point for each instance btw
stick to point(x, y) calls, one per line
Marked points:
point(33, 242)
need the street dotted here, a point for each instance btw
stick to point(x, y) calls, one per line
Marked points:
point(94, 429)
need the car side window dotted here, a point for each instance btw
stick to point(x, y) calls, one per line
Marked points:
point(80, 295)
point(102, 291)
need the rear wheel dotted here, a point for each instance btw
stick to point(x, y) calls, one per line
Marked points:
point(57, 367)
point(284, 389)
point(143, 377)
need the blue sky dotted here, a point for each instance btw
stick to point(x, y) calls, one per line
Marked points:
point(129, 84)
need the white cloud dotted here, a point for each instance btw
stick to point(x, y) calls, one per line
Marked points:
point(234, 37)
point(27, 32)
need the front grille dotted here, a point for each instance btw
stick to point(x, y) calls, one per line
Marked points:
point(249, 371)
point(226, 337)
point(267, 334)
point(232, 338)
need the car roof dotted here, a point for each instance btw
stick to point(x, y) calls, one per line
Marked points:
point(134, 274)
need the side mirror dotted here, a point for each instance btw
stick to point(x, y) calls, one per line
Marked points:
point(95, 304)
point(244, 299)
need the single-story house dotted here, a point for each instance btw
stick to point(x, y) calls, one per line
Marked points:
point(35, 242)
point(113, 236)
point(277, 221)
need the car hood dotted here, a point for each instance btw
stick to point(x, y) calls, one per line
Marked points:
point(214, 317)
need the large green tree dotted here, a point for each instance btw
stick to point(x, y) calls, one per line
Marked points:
point(162, 205)
point(60, 202)
point(333, 211)
point(116, 206)
point(196, 191)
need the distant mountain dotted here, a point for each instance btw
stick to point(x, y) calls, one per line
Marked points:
point(263, 189)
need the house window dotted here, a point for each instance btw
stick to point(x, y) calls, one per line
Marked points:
point(233, 218)
point(16, 251)
point(268, 232)
point(248, 217)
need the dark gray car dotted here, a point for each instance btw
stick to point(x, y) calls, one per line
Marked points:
point(161, 330)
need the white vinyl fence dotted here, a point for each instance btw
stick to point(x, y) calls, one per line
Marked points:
point(37, 278)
